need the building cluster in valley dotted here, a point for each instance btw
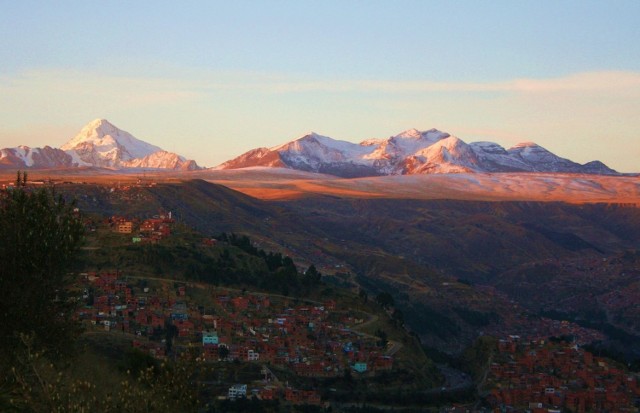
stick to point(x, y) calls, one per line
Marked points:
point(542, 376)
point(542, 328)
point(309, 339)
point(609, 287)
point(150, 230)
point(516, 320)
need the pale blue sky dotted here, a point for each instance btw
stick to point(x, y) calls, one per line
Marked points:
point(211, 79)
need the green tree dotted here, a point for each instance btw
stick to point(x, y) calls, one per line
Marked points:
point(313, 274)
point(41, 234)
point(382, 335)
point(398, 317)
point(385, 299)
point(363, 294)
point(171, 332)
point(223, 352)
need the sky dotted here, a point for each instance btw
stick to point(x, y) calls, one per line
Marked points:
point(213, 79)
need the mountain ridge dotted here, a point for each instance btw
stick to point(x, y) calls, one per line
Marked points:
point(411, 152)
point(98, 144)
point(408, 153)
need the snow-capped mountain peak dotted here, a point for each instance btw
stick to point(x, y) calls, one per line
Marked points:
point(429, 135)
point(526, 144)
point(409, 152)
point(413, 140)
point(101, 144)
point(101, 140)
point(315, 139)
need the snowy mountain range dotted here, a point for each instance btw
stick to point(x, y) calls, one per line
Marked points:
point(408, 153)
point(99, 144)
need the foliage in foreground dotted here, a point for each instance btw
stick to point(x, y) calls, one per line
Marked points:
point(39, 385)
point(40, 237)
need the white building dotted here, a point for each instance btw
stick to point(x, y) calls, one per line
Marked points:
point(236, 391)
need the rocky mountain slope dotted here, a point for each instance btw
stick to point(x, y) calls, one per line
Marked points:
point(408, 153)
point(99, 144)
point(22, 157)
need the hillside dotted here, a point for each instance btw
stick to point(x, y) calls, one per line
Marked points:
point(175, 323)
point(449, 271)
point(417, 248)
point(216, 277)
point(411, 152)
point(426, 253)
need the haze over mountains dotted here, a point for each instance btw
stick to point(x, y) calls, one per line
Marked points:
point(99, 144)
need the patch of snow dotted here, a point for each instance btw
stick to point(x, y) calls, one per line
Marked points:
point(75, 158)
point(28, 159)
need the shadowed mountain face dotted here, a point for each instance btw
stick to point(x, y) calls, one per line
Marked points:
point(474, 240)
point(413, 248)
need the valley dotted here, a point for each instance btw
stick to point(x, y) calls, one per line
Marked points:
point(441, 264)
point(320, 207)
point(436, 256)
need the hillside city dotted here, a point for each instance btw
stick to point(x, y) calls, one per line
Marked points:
point(175, 319)
point(320, 207)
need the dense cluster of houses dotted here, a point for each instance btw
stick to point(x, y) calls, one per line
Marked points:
point(516, 320)
point(150, 230)
point(312, 340)
point(271, 392)
point(540, 376)
point(541, 328)
point(608, 285)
